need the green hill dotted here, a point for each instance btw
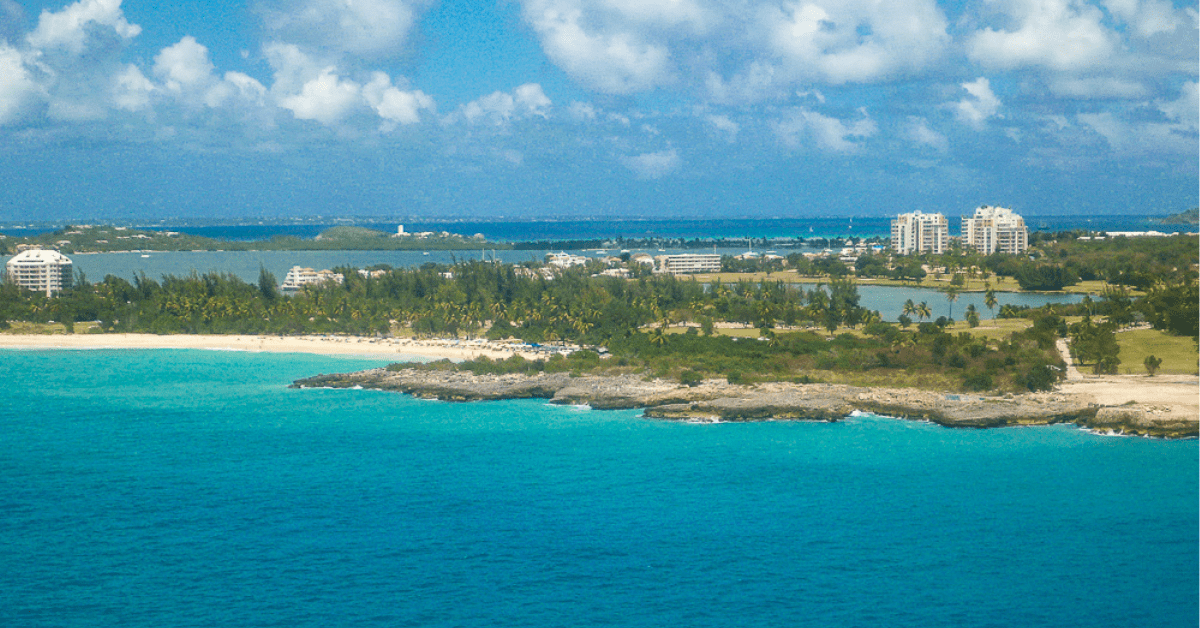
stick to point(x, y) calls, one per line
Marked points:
point(1189, 217)
point(350, 233)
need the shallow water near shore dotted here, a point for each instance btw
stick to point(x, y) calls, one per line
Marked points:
point(193, 488)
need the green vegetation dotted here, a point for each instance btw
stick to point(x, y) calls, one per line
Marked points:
point(1178, 354)
point(626, 316)
point(1189, 217)
point(883, 356)
point(747, 330)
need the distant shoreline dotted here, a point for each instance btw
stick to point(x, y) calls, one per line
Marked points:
point(396, 348)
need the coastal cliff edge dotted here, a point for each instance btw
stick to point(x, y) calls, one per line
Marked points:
point(717, 400)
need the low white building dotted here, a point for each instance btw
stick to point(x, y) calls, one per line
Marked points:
point(43, 270)
point(565, 260)
point(299, 277)
point(689, 263)
point(995, 230)
point(917, 232)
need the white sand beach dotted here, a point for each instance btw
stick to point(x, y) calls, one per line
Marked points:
point(324, 345)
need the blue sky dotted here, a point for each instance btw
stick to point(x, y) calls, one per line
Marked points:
point(604, 108)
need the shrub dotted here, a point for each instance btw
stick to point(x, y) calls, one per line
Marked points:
point(1039, 377)
point(690, 378)
point(978, 381)
point(1152, 363)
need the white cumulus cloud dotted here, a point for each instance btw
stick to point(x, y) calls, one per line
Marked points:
point(1054, 34)
point(132, 90)
point(393, 104)
point(184, 64)
point(722, 126)
point(17, 88)
point(68, 29)
point(917, 130)
point(841, 41)
point(526, 101)
point(326, 98)
point(979, 105)
point(613, 60)
point(735, 52)
point(369, 29)
point(1186, 109)
point(1148, 17)
point(802, 127)
point(654, 165)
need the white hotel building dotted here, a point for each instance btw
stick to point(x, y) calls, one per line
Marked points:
point(42, 270)
point(689, 263)
point(995, 230)
point(299, 277)
point(917, 232)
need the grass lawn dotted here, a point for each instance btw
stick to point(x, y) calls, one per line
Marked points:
point(993, 330)
point(19, 327)
point(999, 284)
point(1178, 353)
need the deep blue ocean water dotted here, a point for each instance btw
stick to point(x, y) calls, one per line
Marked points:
point(502, 230)
point(192, 488)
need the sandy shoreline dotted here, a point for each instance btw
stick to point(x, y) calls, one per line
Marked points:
point(322, 345)
point(1165, 396)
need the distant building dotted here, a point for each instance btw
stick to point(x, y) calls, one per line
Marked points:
point(917, 232)
point(299, 277)
point(42, 270)
point(995, 230)
point(565, 260)
point(689, 263)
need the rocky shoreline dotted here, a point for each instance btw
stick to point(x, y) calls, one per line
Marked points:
point(717, 400)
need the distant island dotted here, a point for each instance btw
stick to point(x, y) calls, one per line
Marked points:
point(108, 239)
point(114, 239)
point(1190, 217)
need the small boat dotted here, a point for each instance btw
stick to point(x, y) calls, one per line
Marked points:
point(145, 255)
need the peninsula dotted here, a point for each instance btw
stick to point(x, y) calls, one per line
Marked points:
point(1169, 409)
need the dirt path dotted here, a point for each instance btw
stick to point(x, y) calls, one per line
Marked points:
point(1073, 373)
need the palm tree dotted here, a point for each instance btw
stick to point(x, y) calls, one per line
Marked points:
point(923, 311)
point(910, 308)
point(989, 299)
point(951, 297)
point(972, 316)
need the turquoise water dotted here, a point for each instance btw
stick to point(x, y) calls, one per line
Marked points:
point(192, 488)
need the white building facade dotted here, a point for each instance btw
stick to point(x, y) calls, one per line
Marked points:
point(689, 263)
point(917, 232)
point(42, 270)
point(299, 277)
point(995, 230)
